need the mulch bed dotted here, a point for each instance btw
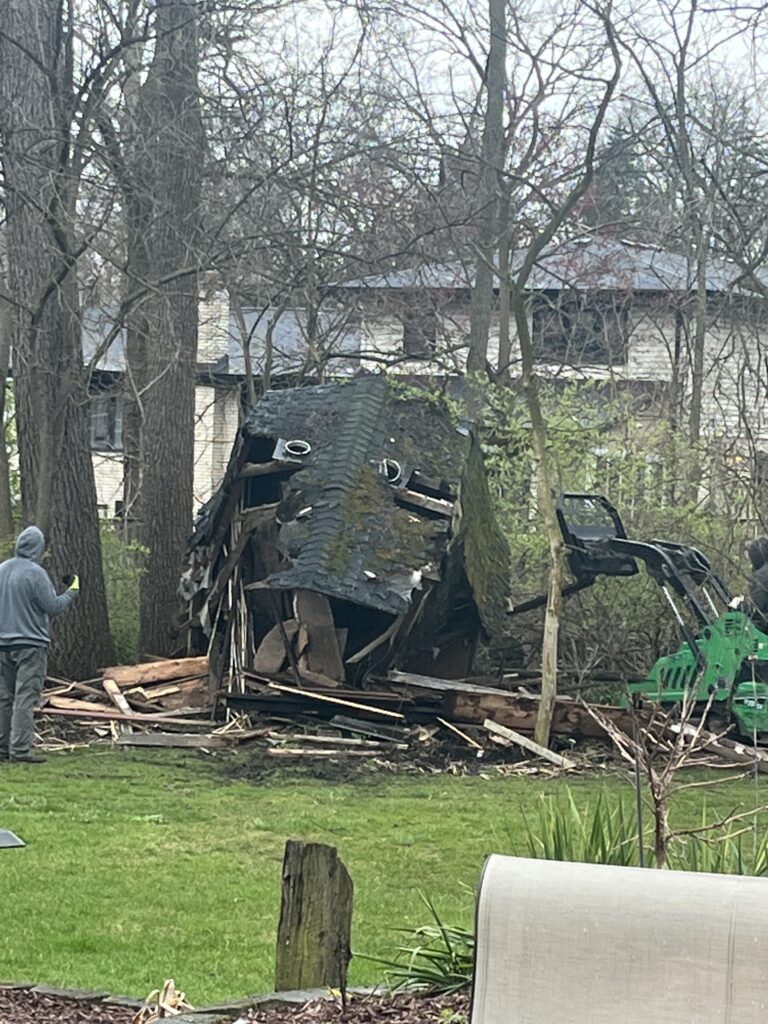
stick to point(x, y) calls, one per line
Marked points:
point(23, 1007)
point(370, 1010)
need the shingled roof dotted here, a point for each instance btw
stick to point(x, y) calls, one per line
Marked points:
point(342, 530)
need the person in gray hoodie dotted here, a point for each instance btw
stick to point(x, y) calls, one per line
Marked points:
point(27, 601)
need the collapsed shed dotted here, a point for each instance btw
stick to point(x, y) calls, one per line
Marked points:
point(353, 533)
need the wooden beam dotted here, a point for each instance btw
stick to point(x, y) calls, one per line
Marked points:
point(455, 729)
point(106, 715)
point(437, 505)
point(194, 741)
point(322, 655)
point(251, 469)
point(112, 690)
point(527, 744)
point(432, 486)
point(272, 653)
point(324, 697)
point(157, 671)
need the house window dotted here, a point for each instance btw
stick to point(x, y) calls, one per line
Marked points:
point(578, 332)
point(105, 422)
point(420, 334)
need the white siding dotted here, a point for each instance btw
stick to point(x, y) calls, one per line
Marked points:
point(216, 424)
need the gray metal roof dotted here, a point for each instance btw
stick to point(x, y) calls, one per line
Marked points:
point(599, 264)
point(337, 337)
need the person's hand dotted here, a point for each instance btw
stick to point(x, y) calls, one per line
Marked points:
point(72, 582)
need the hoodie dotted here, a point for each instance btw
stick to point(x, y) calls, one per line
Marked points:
point(27, 597)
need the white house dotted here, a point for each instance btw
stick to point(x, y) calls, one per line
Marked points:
point(601, 309)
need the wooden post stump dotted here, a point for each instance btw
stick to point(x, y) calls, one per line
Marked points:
point(313, 937)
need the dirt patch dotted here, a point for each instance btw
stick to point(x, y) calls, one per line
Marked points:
point(371, 1010)
point(258, 766)
point(24, 1007)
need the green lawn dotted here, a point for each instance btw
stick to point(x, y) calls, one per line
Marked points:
point(143, 866)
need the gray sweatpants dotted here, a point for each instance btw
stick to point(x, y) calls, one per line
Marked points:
point(22, 671)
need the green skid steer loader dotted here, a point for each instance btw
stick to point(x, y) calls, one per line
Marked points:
point(723, 657)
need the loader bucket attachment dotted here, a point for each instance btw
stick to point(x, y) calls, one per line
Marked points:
point(589, 523)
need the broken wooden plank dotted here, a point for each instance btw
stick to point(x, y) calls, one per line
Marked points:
point(322, 655)
point(157, 671)
point(455, 729)
point(194, 741)
point(440, 685)
point(105, 714)
point(315, 752)
point(527, 744)
point(189, 693)
point(338, 741)
point(379, 731)
point(74, 704)
point(468, 703)
point(251, 469)
point(413, 498)
point(432, 486)
point(272, 653)
point(163, 690)
point(729, 750)
point(112, 690)
point(324, 697)
point(377, 642)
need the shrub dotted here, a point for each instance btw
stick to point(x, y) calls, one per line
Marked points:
point(438, 958)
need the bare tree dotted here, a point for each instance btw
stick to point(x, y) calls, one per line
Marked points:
point(44, 118)
point(162, 352)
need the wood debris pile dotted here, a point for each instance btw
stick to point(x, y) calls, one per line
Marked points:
point(158, 703)
point(403, 721)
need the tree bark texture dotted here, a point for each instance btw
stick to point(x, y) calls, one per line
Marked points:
point(548, 513)
point(313, 938)
point(164, 225)
point(6, 329)
point(58, 489)
point(492, 159)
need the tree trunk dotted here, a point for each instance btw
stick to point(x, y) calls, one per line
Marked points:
point(548, 513)
point(6, 501)
point(166, 183)
point(697, 364)
point(313, 938)
point(58, 489)
point(492, 159)
point(503, 374)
